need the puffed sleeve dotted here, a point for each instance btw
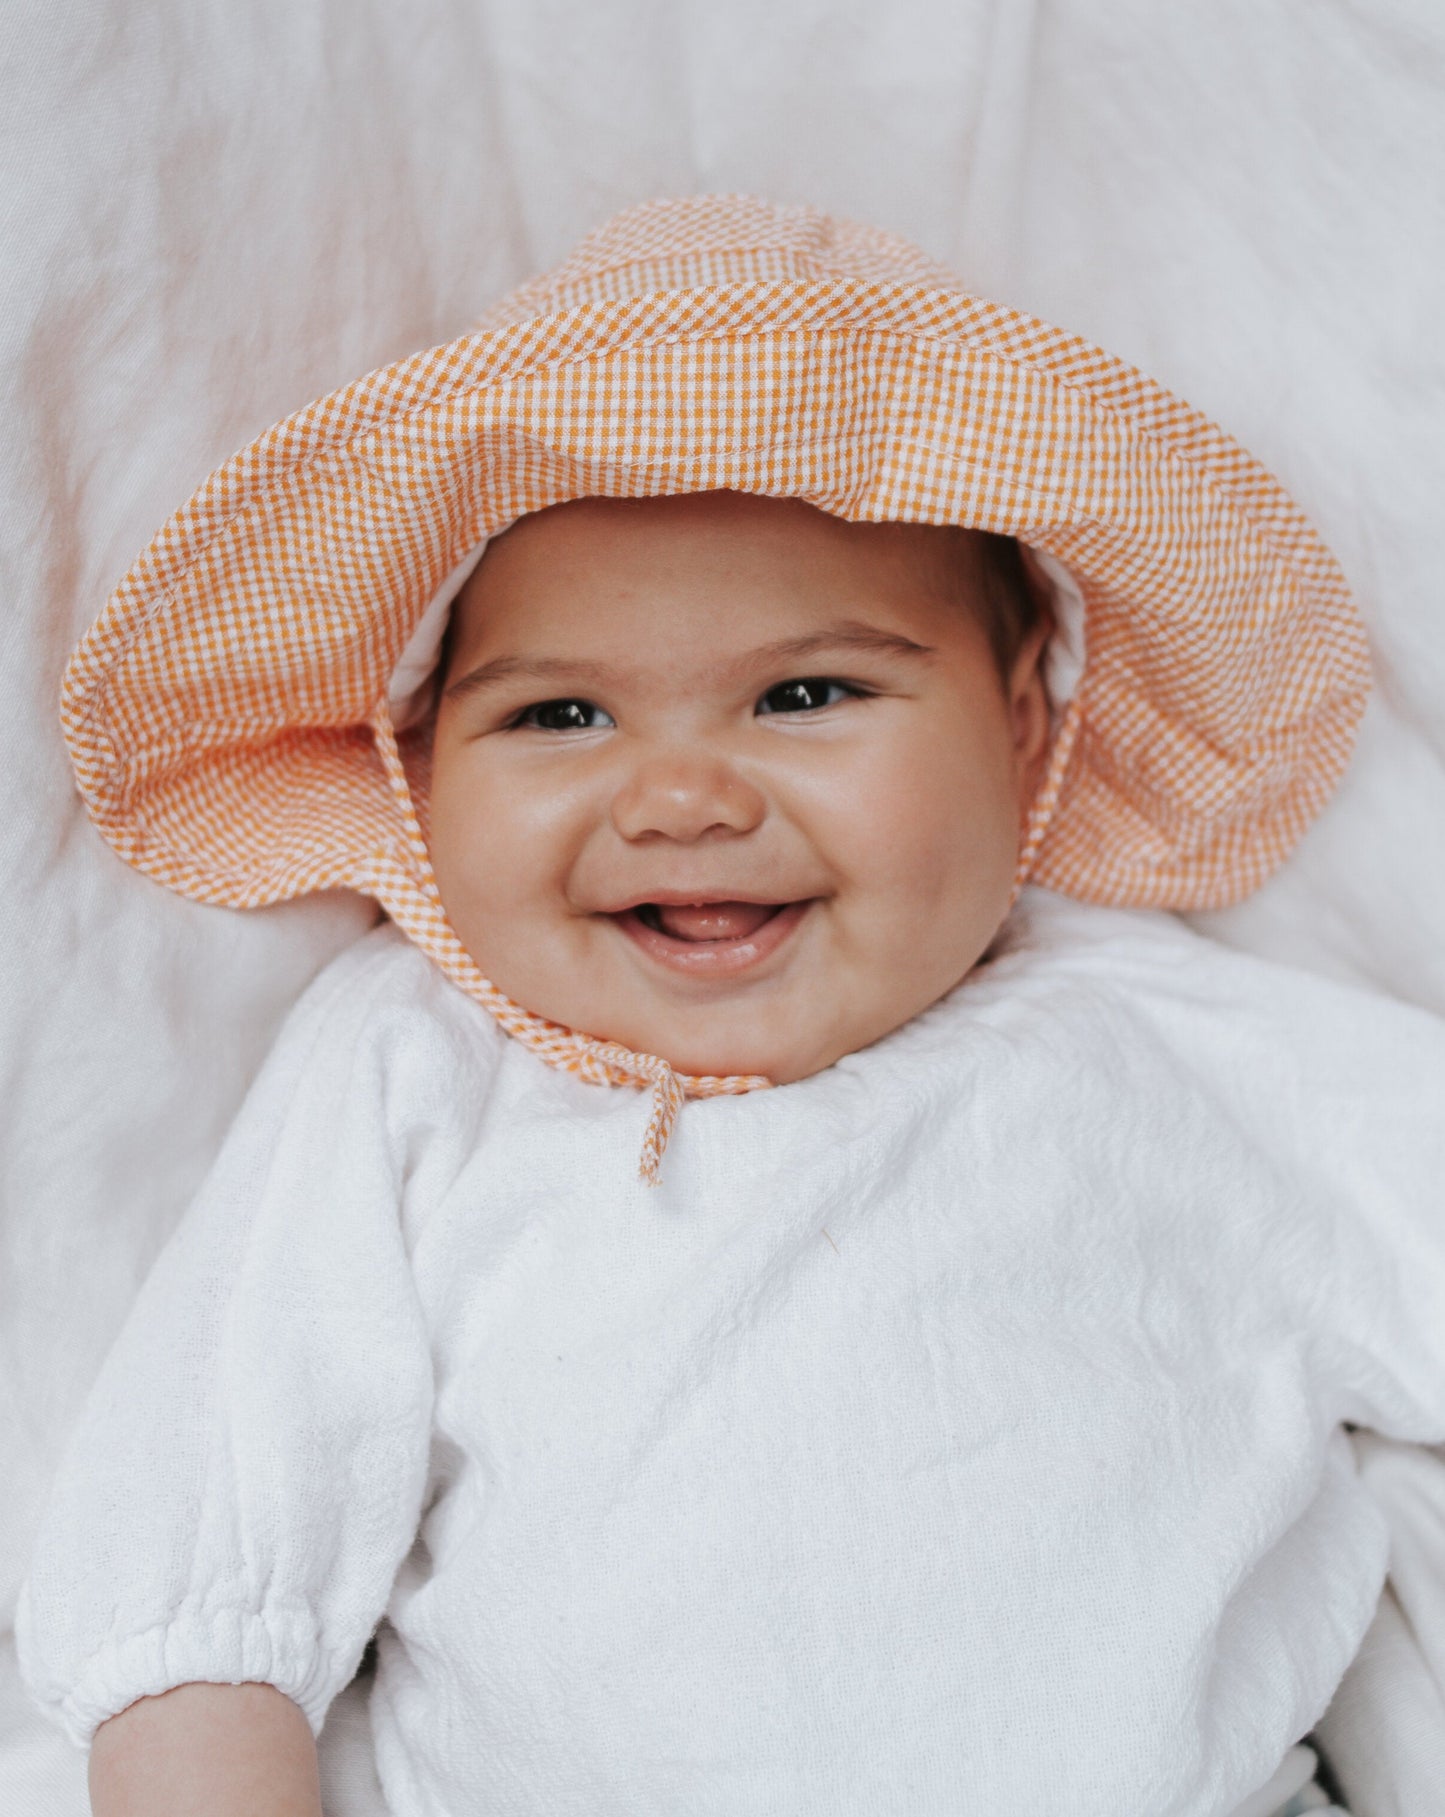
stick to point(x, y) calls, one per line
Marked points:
point(1341, 1093)
point(248, 1472)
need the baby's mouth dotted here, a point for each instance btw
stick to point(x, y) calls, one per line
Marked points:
point(710, 940)
point(707, 920)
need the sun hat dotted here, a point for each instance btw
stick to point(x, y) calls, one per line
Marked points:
point(229, 715)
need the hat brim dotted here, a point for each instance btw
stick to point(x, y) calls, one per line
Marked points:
point(219, 712)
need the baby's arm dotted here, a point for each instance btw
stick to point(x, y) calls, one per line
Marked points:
point(251, 1466)
point(226, 1750)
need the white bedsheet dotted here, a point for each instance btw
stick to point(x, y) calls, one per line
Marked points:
point(212, 213)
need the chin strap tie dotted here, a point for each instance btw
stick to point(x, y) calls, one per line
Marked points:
point(407, 890)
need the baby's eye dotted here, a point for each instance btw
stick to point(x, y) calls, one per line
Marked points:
point(563, 716)
point(806, 694)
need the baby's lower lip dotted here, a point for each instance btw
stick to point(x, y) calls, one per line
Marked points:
point(713, 958)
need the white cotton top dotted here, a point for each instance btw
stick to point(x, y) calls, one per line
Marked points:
point(958, 1430)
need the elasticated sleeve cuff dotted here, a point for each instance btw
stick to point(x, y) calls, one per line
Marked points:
point(221, 1646)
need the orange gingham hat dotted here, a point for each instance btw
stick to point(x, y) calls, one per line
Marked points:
point(227, 713)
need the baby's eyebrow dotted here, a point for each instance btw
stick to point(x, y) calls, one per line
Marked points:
point(526, 668)
point(848, 635)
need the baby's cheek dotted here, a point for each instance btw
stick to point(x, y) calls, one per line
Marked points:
point(940, 887)
point(474, 853)
point(937, 832)
point(483, 832)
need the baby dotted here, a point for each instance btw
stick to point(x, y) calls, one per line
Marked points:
point(955, 1421)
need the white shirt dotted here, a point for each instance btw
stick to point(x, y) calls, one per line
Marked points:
point(955, 1431)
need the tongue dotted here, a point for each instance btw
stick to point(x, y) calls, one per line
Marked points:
point(714, 920)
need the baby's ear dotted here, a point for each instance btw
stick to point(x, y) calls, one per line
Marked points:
point(1040, 587)
point(1030, 710)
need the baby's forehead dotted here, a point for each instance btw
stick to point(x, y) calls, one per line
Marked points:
point(720, 518)
point(716, 574)
point(579, 544)
point(719, 574)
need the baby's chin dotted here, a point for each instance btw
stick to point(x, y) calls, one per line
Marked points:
point(701, 1045)
point(784, 1026)
point(784, 1037)
point(722, 1061)
point(792, 1053)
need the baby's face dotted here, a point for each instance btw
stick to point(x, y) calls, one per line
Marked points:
point(727, 779)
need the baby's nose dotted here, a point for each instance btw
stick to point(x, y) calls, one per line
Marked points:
point(682, 795)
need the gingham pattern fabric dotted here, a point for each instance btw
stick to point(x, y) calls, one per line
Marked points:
point(226, 713)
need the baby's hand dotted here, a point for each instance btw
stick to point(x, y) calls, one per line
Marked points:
point(205, 1750)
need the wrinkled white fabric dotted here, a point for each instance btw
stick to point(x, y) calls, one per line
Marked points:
point(959, 1428)
point(1386, 1722)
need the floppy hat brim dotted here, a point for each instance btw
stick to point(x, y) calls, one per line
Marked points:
point(219, 712)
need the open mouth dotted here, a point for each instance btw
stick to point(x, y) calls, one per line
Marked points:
point(710, 939)
point(707, 920)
